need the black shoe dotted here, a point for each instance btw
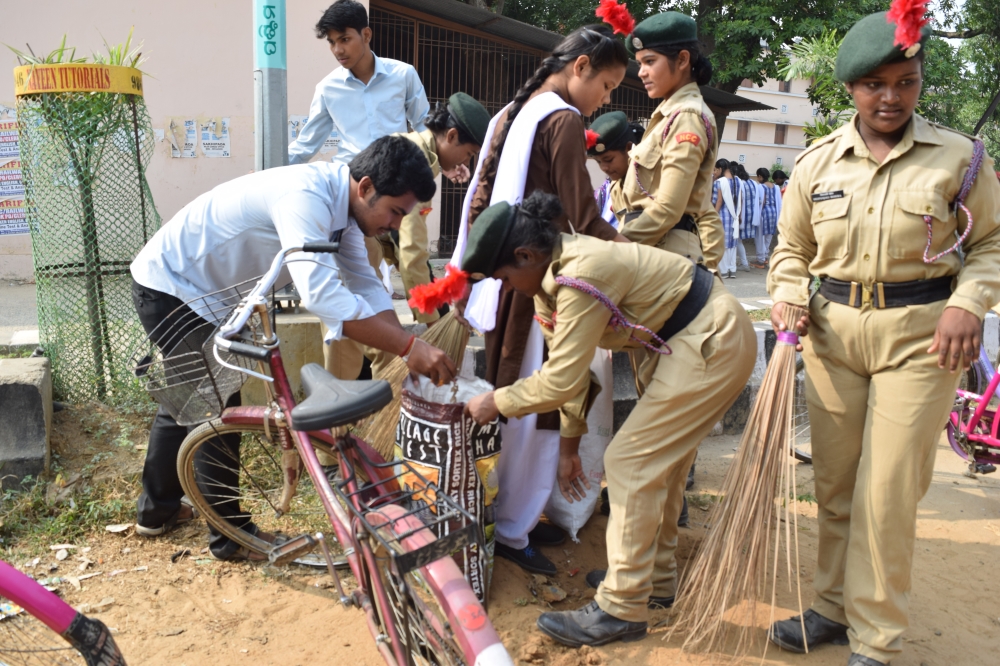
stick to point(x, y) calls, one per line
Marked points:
point(589, 626)
point(690, 482)
point(605, 502)
point(682, 520)
point(546, 534)
point(596, 577)
point(529, 559)
point(787, 634)
point(861, 660)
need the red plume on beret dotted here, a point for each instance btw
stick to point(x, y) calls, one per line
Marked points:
point(429, 297)
point(908, 15)
point(592, 138)
point(617, 16)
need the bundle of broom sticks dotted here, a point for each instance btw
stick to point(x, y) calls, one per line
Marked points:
point(752, 526)
point(450, 336)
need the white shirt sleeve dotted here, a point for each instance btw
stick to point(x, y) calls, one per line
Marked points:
point(324, 281)
point(417, 105)
point(314, 132)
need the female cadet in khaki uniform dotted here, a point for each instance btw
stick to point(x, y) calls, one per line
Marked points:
point(454, 135)
point(610, 138)
point(870, 211)
point(668, 189)
point(577, 283)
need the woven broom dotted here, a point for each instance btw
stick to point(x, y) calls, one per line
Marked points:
point(450, 336)
point(740, 556)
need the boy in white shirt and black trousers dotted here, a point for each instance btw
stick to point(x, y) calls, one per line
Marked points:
point(230, 235)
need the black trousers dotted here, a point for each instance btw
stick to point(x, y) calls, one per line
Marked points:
point(217, 464)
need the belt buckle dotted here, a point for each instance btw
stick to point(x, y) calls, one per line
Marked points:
point(872, 296)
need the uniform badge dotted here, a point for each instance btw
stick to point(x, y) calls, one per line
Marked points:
point(637, 43)
point(688, 137)
point(827, 196)
point(912, 51)
point(599, 147)
point(425, 211)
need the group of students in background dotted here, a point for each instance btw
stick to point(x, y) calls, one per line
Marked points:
point(749, 209)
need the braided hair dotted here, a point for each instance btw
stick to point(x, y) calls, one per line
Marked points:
point(532, 227)
point(595, 41)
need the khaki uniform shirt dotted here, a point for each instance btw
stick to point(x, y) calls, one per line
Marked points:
point(848, 217)
point(676, 172)
point(411, 255)
point(645, 283)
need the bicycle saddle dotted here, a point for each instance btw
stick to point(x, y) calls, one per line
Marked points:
point(331, 402)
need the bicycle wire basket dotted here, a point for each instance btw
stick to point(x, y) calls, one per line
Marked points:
point(454, 527)
point(177, 362)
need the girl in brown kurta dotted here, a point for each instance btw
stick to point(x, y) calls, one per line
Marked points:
point(582, 71)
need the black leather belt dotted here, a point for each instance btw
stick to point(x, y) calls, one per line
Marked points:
point(886, 294)
point(690, 305)
point(686, 224)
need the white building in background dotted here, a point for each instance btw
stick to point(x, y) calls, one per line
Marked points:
point(764, 138)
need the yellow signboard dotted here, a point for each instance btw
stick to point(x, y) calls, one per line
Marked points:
point(34, 79)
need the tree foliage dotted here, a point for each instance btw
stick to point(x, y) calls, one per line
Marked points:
point(740, 36)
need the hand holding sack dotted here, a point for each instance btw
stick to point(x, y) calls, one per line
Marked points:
point(450, 450)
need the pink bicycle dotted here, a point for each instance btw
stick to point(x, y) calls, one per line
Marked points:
point(973, 424)
point(39, 628)
point(242, 468)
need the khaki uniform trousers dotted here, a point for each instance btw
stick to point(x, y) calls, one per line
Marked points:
point(647, 462)
point(877, 406)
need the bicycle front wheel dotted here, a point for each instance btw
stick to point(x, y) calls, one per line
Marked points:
point(233, 474)
point(432, 607)
point(37, 628)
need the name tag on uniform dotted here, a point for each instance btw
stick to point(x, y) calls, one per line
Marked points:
point(826, 196)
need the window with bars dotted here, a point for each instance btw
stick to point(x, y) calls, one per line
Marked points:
point(452, 59)
point(785, 86)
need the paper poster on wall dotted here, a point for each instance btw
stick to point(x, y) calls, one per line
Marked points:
point(215, 138)
point(331, 143)
point(12, 219)
point(183, 137)
point(295, 124)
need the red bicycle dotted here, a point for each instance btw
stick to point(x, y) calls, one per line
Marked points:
point(38, 628)
point(243, 469)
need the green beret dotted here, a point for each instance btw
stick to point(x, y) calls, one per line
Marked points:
point(611, 129)
point(486, 238)
point(663, 29)
point(869, 44)
point(470, 114)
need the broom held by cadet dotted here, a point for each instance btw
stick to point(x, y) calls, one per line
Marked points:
point(872, 211)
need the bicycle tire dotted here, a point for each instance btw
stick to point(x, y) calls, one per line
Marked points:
point(802, 444)
point(259, 487)
point(445, 624)
point(37, 628)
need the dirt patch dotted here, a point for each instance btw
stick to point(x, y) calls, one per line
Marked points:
point(201, 612)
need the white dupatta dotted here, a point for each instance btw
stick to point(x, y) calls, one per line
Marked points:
point(512, 171)
point(734, 208)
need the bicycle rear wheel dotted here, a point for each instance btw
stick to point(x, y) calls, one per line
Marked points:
point(234, 475)
point(433, 608)
point(25, 640)
point(802, 443)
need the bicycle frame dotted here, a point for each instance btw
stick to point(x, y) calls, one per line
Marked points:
point(349, 529)
point(966, 436)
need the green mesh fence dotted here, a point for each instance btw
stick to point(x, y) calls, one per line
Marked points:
point(89, 210)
